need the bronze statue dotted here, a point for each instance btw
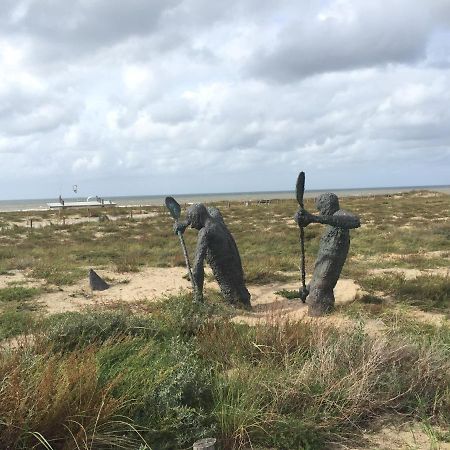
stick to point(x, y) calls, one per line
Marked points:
point(333, 250)
point(216, 245)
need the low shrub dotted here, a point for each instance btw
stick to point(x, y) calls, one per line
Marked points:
point(427, 292)
point(71, 330)
point(14, 322)
point(17, 293)
point(47, 397)
point(168, 385)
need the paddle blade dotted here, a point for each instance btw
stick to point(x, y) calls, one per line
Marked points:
point(300, 188)
point(173, 207)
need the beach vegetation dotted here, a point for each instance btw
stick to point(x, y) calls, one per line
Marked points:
point(15, 321)
point(427, 292)
point(288, 293)
point(18, 293)
point(163, 374)
point(297, 385)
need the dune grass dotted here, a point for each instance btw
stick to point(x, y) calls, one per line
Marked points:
point(426, 292)
point(18, 293)
point(398, 231)
point(298, 386)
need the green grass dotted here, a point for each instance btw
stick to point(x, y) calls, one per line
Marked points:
point(302, 385)
point(14, 322)
point(427, 292)
point(267, 244)
point(18, 293)
point(290, 295)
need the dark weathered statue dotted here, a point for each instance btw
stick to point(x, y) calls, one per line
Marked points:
point(333, 250)
point(216, 244)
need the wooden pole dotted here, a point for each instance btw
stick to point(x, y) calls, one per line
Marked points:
point(204, 444)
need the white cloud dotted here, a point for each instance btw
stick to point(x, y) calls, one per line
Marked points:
point(194, 95)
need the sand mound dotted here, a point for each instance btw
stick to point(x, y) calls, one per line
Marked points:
point(153, 283)
point(149, 284)
point(271, 307)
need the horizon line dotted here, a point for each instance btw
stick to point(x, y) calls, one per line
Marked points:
point(246, 192)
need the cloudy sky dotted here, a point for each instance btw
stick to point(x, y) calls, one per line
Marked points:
point(183, 96)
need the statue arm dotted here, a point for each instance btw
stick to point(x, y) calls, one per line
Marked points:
point(180, 227)
point(340, 219)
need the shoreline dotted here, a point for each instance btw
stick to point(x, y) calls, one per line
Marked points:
point(36, 205)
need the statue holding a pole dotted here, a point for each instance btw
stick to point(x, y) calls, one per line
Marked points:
point(333, 249)
point(217, 247)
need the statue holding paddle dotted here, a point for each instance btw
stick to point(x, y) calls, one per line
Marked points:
point(217, 247)
point(333, 249)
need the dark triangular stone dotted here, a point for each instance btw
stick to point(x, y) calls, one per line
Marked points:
point(96, 282)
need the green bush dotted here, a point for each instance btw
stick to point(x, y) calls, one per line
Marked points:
point(71, 330)
point(17, 293)
point(427, 292)
point(185, 317)
point(169, 387)
point(14, 322)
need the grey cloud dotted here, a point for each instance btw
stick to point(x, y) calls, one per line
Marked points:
point(369, 35)
point(59, 30)
point(103, 21)
point(172, 111)
point(27, 111)
point(41, 120)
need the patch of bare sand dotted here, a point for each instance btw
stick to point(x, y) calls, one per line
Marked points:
point(14, 276)
point(405, 437)
point(149, 284)
point(269, 307)
point(21, 341)
point(411, 274)
point(436, 319)
point(154, 283)
point(421, 194)
point(436, 254)
point(399, 257)
point(433, 318)
point(18, 277)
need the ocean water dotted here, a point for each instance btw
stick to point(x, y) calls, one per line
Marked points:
point(154, 200)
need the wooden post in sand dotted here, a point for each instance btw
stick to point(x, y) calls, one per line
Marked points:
point(204, 444)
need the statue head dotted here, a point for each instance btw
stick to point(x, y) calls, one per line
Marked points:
point(197, 215)
point(327, 203)
point(215, 214)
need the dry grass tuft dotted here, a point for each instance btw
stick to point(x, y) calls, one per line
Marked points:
point(58, 399)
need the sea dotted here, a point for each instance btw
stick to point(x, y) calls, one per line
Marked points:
point(40, 204)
